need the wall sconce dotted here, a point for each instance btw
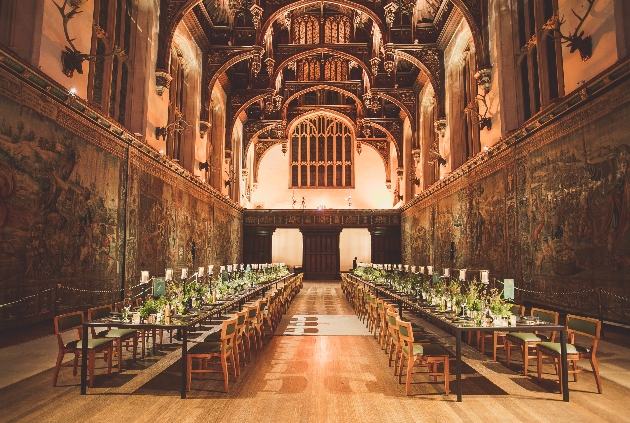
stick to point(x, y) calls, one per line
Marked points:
point(359, 147)
point(160, 131)
point(204, 165)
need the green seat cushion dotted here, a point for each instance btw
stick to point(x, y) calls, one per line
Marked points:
point(524, 337)
point(555, 347)
point(91, 343)
point(427, 350)
point(116, 333)
point(208, 348)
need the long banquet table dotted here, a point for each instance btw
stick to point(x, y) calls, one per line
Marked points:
point(183, 323)
point(458, 328)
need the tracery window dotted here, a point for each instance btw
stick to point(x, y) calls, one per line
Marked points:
point(539, 60)
point(177, 96)
point(110, 75)
point(308, 69)
point(306, 30)
point(336, 69)
point(321, 153)
point(337, 29)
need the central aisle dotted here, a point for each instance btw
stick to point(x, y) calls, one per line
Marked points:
point(319, 310)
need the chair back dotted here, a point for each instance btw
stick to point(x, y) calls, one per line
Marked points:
point(392, 324)
point(98, 313)
point(66, 323)
point(252, 312)
point(585, 326)
point(240, 320)
point(546, 315)
point(517, 310)
point(228, 332)
point(405, 332)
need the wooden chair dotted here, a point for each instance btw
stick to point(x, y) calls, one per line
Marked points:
point(213, 353)
point(253, 340)
point(584, 326)
point(528, 341)
point(120, 336)
point(421, 355)
point(74, 322)
point(498, 338)
point(239, 339)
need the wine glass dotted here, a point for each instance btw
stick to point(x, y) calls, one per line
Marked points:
point(126, 308)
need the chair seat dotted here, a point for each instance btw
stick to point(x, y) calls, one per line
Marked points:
point(526, 337)
point(91, 344)
point(116, 333)
point(427, 350)
point(208, 348)
point(571, 349)
point(213, 337)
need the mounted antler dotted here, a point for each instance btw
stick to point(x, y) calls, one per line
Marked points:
point(72, 59)
point(436, 156)
point(484, 121)
point(575, 41)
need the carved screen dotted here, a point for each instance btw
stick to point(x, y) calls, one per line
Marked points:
point(306, 30)
point(308, 69)
point(337, 30)
point(336, 69)
point(321, 153)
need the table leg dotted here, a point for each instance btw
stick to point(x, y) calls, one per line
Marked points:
point(84, 359)
point(400, 306)
point(458, 364)
point(184, 361)
point(565, 365)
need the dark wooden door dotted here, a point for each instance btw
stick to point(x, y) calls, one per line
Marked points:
point(257, 245)
point(320, 257)
point(385, 245)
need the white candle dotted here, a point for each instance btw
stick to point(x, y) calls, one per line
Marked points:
point(400, 267)
point(169, 274)
point(447, 272)
point(144, 276)
point(184, 272)
point(485, 276)
point(242, 266)
point(429, 270)
point(229, 268)
point(406, 267)
point(413, 269)
point(222, 269)
point(201, 271)
point(210, 267)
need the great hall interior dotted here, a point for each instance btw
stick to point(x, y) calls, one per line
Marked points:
point(317, 199)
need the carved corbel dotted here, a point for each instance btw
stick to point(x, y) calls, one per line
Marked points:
point(204, 126)
point(162, 81)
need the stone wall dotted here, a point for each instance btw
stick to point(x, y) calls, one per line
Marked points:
point(549, 207)
point(85, 205)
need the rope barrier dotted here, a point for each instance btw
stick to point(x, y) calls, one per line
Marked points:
point(88, 290)
point(551, 293)
point(615, 295)
point(26, 298)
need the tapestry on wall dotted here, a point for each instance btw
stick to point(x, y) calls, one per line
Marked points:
point(60, 210)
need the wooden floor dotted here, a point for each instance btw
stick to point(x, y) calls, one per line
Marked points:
point(312, 379)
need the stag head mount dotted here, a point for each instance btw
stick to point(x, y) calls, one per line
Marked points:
point(72, 59)
point(576, 40)
point(483, 120)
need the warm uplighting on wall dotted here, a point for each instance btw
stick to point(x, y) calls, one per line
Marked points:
point(72, 91)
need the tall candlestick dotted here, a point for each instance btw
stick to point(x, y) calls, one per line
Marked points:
point(184, 272)
point(462, 274)
point(201, 271)
point(169, 274)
